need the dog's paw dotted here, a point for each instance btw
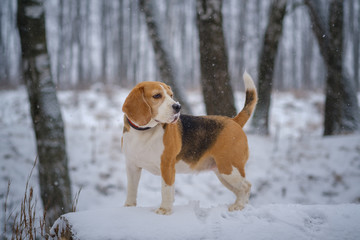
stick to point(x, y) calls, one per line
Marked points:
point(130, 205)
point(236, 207)
point(163, 211)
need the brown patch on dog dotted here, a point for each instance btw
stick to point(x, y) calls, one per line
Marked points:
point(126, 127)
point(136, 108)
point(231, 149)
point(172, 147)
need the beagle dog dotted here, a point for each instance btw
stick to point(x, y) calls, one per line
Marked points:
point(157, 138)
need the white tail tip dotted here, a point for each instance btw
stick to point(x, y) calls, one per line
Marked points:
point(248, 81)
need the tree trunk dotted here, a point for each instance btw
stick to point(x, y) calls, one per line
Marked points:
point(61, 38)
point(88, 65)
point(215, 78)
point(164, 61)
point(341, 106)
point(121, 56)
point(104, 41)
point(273, 32)
point(78, 25)
point(354, 20)
point(307, 59)
point(242, 38)
point(45, 110)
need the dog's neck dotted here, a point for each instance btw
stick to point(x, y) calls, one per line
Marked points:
point(142, 128)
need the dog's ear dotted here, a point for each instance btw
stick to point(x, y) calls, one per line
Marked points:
point(136, 108)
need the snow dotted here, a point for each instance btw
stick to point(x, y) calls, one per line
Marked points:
point(304, 186)
point(274, 221)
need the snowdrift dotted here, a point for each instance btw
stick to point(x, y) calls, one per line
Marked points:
point(277, 221)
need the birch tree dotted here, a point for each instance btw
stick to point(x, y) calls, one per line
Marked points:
point(45, 110)
point(215, 78)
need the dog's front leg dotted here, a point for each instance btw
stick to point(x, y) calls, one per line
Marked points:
point(167, 194)
point(172, 137)
point(133, 176)
point(167, 186)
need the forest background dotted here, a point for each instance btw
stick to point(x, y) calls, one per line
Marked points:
point(107, 42)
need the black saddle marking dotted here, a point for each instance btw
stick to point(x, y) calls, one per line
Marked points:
point(198, 135)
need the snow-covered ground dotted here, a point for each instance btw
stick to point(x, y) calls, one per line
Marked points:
point(295, 165)
point(274, 221)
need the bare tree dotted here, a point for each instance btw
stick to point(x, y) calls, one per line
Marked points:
point(6, 23)
point(114, 42)
point(121, 53)
point(273, 32)
point(215, 78)
point(78, 25)
point(341, 106)
point(354, 23)
point(164, 60)
point(242, 37)
point(60, 50)
point(104, 21)
point(45, 110)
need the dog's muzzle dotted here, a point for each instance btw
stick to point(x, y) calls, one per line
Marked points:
point(176, 107)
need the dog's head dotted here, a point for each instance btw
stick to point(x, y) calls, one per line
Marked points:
point(151, 103)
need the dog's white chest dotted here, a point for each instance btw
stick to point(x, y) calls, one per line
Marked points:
point(144, 148)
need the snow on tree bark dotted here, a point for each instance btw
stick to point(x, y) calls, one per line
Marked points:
point(164, 61)
point(215, 78)
point(341, 106)
point(260, 121)
point(45, 110)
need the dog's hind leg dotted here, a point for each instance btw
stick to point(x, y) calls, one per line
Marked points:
point(238, 185)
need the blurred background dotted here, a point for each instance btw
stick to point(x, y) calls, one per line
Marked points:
point(106, 41)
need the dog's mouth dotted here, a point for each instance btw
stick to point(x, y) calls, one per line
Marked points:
point(176, 117)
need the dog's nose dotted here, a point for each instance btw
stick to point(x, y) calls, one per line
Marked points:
point(176, 107)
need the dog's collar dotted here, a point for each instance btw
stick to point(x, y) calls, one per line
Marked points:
point(134, 126)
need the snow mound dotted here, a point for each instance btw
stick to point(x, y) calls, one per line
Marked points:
point(275, 221)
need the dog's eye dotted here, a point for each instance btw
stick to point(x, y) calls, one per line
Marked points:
point(157, 96)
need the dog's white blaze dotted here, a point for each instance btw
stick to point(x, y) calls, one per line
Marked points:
point(165, 110)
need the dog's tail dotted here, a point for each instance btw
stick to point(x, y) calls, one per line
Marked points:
point(250, 102)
